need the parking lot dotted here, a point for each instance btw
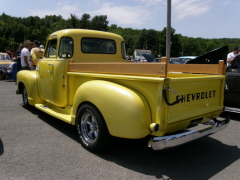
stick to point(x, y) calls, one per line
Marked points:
point(34, 145)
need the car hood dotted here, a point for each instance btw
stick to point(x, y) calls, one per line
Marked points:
point(211, 57)
point(4, 63)
point(149, 57)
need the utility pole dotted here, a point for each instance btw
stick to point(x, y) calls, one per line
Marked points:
point(168, 36)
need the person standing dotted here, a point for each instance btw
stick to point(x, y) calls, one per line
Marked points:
point(232, 55)
point(36, 54)
point(9, 53)
point(18, 57)
point(25, 55)
point(9, 71)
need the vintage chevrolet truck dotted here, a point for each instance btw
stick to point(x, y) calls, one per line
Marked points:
point(84, 80)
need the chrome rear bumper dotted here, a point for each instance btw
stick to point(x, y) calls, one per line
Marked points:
point(179, 139)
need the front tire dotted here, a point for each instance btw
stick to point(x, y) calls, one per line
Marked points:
point(25, 98)
point(92, 129)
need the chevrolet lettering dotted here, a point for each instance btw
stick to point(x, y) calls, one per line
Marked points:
point(196, 96)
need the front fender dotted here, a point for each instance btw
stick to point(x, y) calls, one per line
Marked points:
point(126, 111)
point(29, 80)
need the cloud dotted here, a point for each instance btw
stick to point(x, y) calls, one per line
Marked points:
point(189, 8)
point(62, 8)
point(150, 1)
point(124, 15)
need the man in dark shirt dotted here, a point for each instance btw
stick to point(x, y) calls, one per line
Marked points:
point(18, 57)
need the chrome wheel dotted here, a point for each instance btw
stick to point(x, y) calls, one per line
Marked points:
point(89, 127)
point(92, 129)
point(25, 98)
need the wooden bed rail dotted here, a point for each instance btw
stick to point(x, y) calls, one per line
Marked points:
point(219, 68)
point(147, 69)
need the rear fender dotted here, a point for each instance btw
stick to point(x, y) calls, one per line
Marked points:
point(126, 111)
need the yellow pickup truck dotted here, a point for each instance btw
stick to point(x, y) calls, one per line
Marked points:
point(85, 80)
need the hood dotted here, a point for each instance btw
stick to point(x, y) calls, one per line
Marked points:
point(149, 57)
point(211, 57)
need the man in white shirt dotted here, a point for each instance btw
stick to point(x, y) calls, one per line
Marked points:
point(25, 55)
point(232, 55)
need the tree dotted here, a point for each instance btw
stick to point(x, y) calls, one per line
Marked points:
point(85, 21)
point(14, 30)
point(176, 47)
point(73, 21)
point(99, 23)
point(113, 26)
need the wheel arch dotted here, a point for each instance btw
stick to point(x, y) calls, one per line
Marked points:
point(126, 112)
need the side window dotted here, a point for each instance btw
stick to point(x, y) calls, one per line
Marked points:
point(98, 45)
point(51, 49)
point(66, 47)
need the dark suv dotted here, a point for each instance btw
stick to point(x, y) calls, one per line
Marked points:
point(232, 93)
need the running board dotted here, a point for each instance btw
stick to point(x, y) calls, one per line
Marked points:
point(55, 112)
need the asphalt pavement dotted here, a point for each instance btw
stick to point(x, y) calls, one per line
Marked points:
point(34, 145)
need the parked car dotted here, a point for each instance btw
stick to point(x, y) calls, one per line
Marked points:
point(176, 61)
point(232, 93)
point(185, 59)
point(150, 57)
point(5, 60)
point(211, 57)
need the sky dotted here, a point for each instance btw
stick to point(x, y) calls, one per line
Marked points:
point(192, 18)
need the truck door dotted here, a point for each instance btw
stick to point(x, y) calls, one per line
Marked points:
point(53, 81)
point(45, 71)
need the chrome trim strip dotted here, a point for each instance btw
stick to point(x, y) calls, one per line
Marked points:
point(179, 139)
point(232, 109)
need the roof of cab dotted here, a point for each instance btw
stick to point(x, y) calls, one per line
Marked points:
point(86, 32)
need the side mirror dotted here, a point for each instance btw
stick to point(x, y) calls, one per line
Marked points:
point(236, 62)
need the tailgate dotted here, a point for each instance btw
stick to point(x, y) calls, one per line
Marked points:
point(200, 95)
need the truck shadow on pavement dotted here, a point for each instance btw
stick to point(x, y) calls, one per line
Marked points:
point(198, 160)
point(1, 147)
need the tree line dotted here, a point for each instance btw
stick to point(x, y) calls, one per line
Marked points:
point(15, 30)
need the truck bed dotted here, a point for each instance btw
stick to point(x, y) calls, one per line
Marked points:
point(201, 92)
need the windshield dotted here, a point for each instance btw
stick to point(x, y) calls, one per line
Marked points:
point(4, 57)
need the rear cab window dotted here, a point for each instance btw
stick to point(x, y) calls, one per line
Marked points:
point(98, 45)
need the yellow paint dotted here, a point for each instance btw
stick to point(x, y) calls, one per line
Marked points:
point(128, 104)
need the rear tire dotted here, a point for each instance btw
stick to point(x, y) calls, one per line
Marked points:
point(92, 129)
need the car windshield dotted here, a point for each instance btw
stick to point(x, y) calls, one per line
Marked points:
point(4, 57)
